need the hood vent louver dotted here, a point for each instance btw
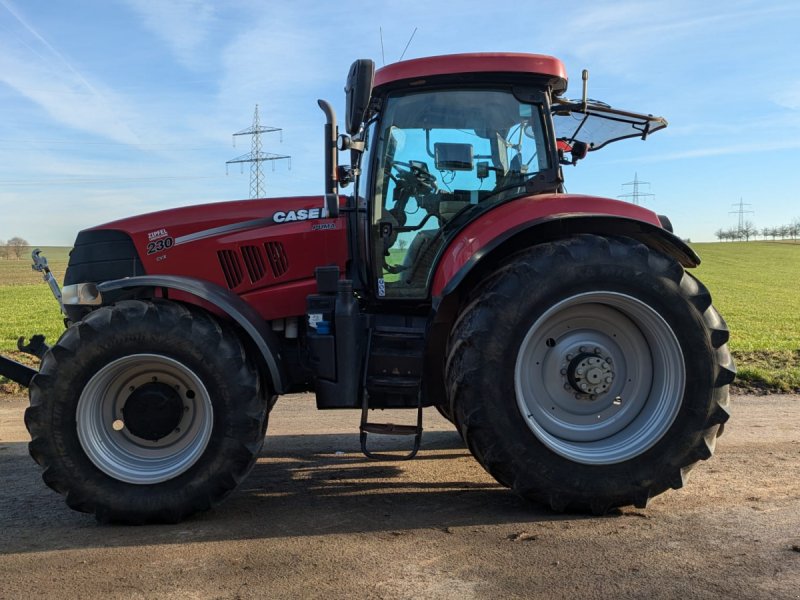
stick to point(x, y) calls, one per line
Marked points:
point(277, 258)
point(231, 267)
point(254, 262)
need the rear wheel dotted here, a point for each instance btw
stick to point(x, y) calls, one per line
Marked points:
point(609, 372)
point(146, 412)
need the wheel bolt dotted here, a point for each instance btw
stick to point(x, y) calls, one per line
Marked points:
point(569, 356)
point(582, 348)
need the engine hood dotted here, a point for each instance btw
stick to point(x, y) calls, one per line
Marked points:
point(190, 223)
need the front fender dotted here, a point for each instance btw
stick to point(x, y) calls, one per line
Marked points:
point(226, 302)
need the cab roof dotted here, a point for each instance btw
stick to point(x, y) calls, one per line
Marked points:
point(485, 62)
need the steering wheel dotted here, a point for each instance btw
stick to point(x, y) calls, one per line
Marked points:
point(414, 177)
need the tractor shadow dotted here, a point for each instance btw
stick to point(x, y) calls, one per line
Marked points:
point(302, 485)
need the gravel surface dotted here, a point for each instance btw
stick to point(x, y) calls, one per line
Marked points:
point(316, 519)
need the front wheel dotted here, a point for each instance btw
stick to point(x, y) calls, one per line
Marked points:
point(146, 412)
point(610, 373)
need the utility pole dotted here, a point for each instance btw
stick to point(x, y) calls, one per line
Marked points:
point(256, 156)
point(635, 195)
point(740, 210)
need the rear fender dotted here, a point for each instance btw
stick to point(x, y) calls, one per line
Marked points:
point(462, 259)
point(534, 219)
point(221, 301)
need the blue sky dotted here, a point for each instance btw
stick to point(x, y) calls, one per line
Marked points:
point(117, 107)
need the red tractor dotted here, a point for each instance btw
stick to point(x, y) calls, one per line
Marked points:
point(579, 361)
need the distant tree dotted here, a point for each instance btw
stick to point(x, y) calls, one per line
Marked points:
point(16, 246)
point(3, 249)
point(401, 244)
point(748, 230)
point(794, 229)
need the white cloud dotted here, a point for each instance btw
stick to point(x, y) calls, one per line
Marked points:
point(789, 96)
point(32, 67)
point(183, 25)
point(619, 36)
point(765, 147)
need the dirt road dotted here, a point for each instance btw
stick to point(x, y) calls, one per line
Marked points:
point(315, 519)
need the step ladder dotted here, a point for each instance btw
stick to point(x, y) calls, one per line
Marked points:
point(392, 379)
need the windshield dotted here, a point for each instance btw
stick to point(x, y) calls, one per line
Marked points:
point(441, 154)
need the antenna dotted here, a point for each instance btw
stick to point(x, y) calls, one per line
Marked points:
point(741, 212)
point(256, 156)
point(635, 195)
point(408, 44)
point(383, 56)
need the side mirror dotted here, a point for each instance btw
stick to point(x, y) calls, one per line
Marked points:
point(358, 90)
point(579, 151)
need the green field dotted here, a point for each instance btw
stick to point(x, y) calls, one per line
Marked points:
point(755, 285)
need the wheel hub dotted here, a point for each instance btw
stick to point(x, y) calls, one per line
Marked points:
point(599, 377)
point(144, 418)
point(590, 373)
point(153, 411)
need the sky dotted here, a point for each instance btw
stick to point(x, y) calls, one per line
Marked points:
point(112, 108)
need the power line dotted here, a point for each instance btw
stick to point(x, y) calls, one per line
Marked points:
point(635, 195)
point(256, 156)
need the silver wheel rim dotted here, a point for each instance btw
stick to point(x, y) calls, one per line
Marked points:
point(114, 448)
point(599, 377)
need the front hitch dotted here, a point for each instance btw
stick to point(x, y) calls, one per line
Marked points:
point(17, 372)
point(40, 265)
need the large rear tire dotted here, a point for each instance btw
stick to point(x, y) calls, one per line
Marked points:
point(609, 373)
point(146, 412)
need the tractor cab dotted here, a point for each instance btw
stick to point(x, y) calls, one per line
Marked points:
point(437, 142)
point(438, 158)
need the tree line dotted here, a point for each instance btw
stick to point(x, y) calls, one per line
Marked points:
point(13, 248)
point(749, 230)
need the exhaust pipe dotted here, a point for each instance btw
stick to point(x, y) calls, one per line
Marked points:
point(331, 159)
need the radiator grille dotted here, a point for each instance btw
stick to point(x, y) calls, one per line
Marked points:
point(278, 261)
point(231, 267)
point(254, 262)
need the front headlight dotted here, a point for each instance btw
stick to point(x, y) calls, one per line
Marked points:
point(81, 294)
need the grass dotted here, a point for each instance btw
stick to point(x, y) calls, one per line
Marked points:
point(754, 285)
point(27, 305)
